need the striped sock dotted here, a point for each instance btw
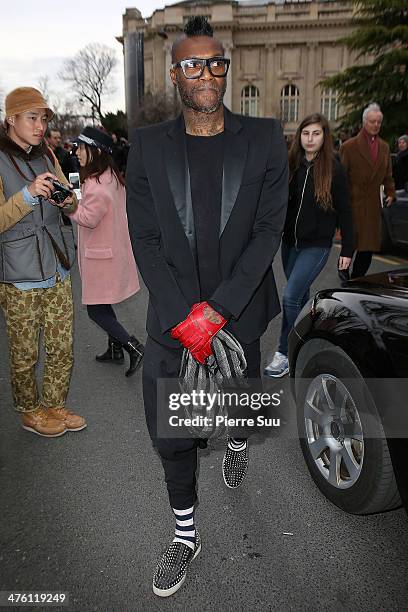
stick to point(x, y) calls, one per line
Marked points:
point(237, 444)
point(185, 529)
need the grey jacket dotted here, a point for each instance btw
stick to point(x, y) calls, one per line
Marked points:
point(29, 250)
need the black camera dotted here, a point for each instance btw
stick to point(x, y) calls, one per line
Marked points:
point(61, 192)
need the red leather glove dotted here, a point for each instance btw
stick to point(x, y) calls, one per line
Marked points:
point(196, 332)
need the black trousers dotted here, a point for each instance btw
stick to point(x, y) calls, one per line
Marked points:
point(178, 455)
point(362, 262)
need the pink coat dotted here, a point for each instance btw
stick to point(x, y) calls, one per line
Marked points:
point(105, 257)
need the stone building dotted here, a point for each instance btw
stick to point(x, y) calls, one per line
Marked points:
point(279, 50)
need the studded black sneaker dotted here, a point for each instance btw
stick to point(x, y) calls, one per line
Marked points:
point(235, 466)
point(171, 570)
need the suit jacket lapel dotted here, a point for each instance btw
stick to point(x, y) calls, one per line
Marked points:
point(178, 173)
point(364, 148)
point(235, 154)
point(380, 156)
point(365, 152)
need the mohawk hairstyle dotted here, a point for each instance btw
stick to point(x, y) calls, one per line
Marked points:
point(198, 26)
point(195, 26)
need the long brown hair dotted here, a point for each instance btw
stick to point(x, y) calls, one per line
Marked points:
point(323, 162)
point(97, 162)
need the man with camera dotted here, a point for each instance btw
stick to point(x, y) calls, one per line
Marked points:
point(36, 253)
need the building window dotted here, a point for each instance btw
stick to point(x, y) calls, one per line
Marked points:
point(187, 17)
point(250, 101)
point(290, 103)
point(329, 106)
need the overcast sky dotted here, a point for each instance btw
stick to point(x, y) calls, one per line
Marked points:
point(36, 38)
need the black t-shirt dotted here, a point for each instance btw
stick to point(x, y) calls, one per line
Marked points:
point(205, 159)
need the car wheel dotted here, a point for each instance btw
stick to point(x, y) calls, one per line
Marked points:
point(341, 435)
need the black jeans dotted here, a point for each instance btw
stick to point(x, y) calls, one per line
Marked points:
point(362, 262)
point(178, 455)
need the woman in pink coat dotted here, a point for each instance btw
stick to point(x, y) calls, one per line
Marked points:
point(105, 257)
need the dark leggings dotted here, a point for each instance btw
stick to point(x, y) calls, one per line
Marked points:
point(362, 262)
point(104, 316)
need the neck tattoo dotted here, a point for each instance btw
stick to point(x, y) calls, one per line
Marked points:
point(204, 124)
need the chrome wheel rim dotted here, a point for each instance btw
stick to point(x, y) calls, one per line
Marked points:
point(333, 431)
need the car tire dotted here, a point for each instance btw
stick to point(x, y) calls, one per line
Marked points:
point(347, 456)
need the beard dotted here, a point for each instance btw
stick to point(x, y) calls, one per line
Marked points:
point(188, 96)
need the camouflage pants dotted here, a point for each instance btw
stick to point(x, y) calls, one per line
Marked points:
point(26, 312)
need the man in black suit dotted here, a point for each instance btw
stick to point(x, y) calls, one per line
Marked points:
point(207, 197)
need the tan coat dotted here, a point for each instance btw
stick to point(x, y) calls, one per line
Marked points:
point(365, 178)
point(15, 208)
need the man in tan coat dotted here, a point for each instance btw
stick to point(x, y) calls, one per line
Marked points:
point(367, 160)
point(35, 258)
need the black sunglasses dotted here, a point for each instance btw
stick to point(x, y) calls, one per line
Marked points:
point(194, 67)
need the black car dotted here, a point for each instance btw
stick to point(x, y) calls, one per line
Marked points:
point(348, 356)
point(395, 223)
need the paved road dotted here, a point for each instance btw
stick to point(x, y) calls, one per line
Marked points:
point(87, 513)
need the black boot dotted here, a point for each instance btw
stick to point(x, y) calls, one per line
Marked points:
point(114, 352)
point(136, 351)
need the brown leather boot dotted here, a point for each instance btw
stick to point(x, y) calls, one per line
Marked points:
point(72, 422)
point(40, 422)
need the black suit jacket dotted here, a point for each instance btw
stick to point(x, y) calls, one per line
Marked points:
point(161, 223)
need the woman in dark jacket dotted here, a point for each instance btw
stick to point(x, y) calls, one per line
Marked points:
point(400, 169)
point(318, 203)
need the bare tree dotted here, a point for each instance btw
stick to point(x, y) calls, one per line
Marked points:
point(88, 72)
point(43, 83)
point(156, 107)
point(68, 118)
